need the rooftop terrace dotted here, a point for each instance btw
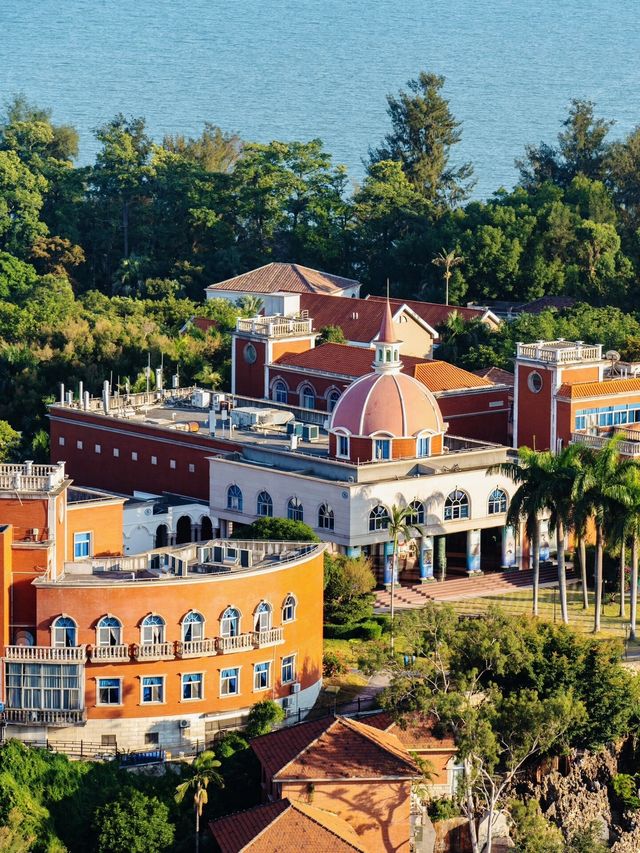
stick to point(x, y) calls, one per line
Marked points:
point(559, 352)
point(27, 477)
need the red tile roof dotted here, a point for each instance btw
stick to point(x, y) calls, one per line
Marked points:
point(433, 313)
point(496, 375)
point(204, 324)
point(345, 360)
point(287, 278)
point(417, 733)
point(284, 827)
point(581, 390)
point(342, 749)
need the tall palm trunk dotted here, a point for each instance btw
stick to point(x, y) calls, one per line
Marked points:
point(622, 579)
point(392, 611)
point(634, 589)
point(582, 549)
point(562, 572)
point(536, 567)
point(598, 578)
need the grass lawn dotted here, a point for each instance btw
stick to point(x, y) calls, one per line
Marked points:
point(549, 609)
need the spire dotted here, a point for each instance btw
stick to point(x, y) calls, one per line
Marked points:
point(387, 358)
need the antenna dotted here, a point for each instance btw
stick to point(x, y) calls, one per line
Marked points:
point(613, 357)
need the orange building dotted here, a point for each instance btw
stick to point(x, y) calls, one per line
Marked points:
point(158, 647)
point(347, 768)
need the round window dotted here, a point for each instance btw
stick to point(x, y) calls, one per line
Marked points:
point(250, 354)
point(535, 382)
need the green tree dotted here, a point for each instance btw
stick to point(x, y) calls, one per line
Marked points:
point(21, 200)
point(214, 150)
point(203, 771)
point(276, 529)
point(331, 335)
point(133, 823)
point(402, 525)
point(447, 260)
point(348, 583)
point(423, 131)
point(263, 716)
point(9, 442)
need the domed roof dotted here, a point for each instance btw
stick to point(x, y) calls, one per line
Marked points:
point(392, 403)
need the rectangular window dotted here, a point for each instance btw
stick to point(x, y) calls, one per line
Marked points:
point(61, 441)
point(81, 545)
point(172, 463)
point(154, 460)
point(230, 682)
point(382, 447)
point(581, 422)
point(108, 740)
point(153, 689)
point(343, 445)
point(43, 686)
point(116, 452)
point(109, 691)
point(192, 468)
point(79, 445)
point(151, 738)
point(192, 686)
point(262, 676)
point(134, 455)
point(424, 443)
point(98, 448)
point(289, 669)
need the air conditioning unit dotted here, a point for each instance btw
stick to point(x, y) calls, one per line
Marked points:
point(295, 687)
point(310, 432)
point(184, 724)
point(287, 704)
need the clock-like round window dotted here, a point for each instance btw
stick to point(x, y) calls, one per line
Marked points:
point(250, 354)
point(535, 382)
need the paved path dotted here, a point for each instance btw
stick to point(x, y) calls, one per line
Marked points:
point(458, 588)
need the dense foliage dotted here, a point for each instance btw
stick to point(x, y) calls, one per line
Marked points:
point(102, 265)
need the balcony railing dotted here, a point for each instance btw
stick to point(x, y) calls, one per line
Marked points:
point(274, 327)
point(270, 637)
point(153, 651)
point(559, 352)
point(46, 653)
point(26, 717)
point(626, 448)
point(109, 653)
point(234, 644)
point(196, 648)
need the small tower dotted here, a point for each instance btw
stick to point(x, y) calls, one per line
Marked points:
point(387, 358)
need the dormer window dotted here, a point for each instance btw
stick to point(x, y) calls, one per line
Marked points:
point(382, 448)
point(342, 448)
point(423, 446)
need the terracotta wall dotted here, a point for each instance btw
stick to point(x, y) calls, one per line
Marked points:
point(103, 521)
point(378, 811)
point(249, 378)
point(534, 410)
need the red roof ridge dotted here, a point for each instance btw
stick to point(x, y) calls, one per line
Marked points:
point(383, 739)
point(311, 811)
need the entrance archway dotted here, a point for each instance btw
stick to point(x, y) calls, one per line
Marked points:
point(162, 536)
point(183, 530)
point(206, 528)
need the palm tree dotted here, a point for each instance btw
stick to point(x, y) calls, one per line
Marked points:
point(604, 490)
point(250, 306)
point(401, 524)
point(527, 503)
point(632, 530)
point(203, 772)
point(448, 260)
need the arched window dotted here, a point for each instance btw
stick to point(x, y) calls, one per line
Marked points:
point(378, 518)
point(192, 627)
point(307, 397)
point(289, 609)
point(332, 399)
point(295, 511)
point(234, 498)
point(230, 622)
point(325, 517)
point(109, 631)
point(280, 392)
point(265, 505)
point(416, 509)
point(152, 630)
point(497, 501)
point(263, 616)
point(64, 632)
point(456, 505)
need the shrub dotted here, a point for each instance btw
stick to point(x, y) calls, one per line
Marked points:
point(443, 808)
point(333, 664)
point(276, 530)
point(626, 789)
point(368, 630)
point(263, 717)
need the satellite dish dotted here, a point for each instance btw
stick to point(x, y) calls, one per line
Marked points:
point(612, 355)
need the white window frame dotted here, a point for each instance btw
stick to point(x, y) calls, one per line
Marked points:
point(382, 443)
point(116, 452)
point(184, 675)
point(143, 628)
point(257, 688)
point(76, 542)
point(79, 445)
point(172, 464)
point(223, 678)
point(117, 704)
point(340, 453)
point(61, 440)
point(290, 601)
point(97, 448)
point(134, 455)
point(185, 625)
point(162, 686)
point(291, 662)
point(55, 627)
point(107, 628)
point(263, 614)
point(228, 619)
point(154, 460)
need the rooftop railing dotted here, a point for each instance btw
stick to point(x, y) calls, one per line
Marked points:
point(560, 352)
point(274, 327)
point(31, 478)
point(597, 442)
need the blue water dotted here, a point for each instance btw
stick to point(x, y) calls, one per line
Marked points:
point(297, 69)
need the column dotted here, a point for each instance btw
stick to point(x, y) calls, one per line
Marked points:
point(426, 559)
point(508, 547)
point(388, 564)
point(545, 549)
point(473, 551)
point(441, 550)
point(353, 551)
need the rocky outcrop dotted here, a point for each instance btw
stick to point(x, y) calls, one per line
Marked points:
point(629, 842)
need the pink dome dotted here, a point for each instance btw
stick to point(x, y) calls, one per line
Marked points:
point(392, 403)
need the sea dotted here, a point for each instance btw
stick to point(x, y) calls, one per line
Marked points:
point(301, 69)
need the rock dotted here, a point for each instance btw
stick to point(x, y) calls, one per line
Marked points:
point(629, 842)
point(500, 827)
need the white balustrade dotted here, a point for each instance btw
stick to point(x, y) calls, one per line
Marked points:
point(196, 648)
point(234, 644)
point(270, 637)
point(154, 651)
point(45, 653)
point(109, 653)
point(47, 717)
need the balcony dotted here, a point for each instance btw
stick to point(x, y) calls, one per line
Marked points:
point(626, 448)
point(559, 352)
point(109, 654)
point(154, 651)
point(275, 327)
point(196, 648)
point(270, 637)
point(46, 653)
point(241, 643)
point(26, 717)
